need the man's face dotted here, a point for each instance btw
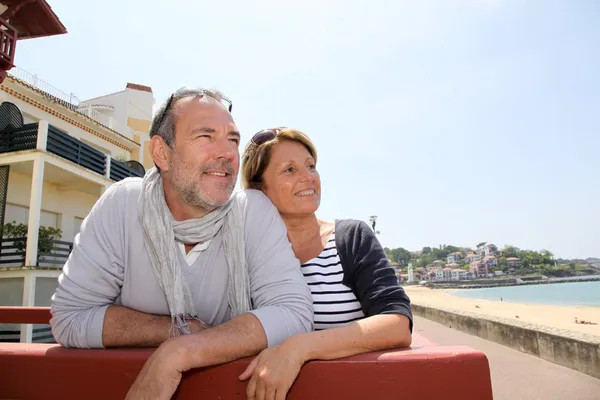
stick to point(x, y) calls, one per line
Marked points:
point(204, 165)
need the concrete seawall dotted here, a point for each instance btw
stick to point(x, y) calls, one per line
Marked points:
point(570, 350)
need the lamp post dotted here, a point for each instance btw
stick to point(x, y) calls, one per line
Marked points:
point(373, 220)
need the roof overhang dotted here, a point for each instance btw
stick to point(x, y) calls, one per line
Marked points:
point(32, 18)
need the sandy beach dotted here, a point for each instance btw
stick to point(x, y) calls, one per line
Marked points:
point(553, 317)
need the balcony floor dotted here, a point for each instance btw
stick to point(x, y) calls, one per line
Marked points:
point(62, 178)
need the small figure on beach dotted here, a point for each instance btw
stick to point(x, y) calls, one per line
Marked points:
point(476, 306)
point(516, 316)
point(501, 299)
point(584, 322)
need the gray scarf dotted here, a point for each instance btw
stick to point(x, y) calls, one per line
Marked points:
point(161, 232)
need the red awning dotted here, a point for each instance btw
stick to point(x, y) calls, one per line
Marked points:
point(33, 18)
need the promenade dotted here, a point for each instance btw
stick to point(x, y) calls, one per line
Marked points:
point(516, 375)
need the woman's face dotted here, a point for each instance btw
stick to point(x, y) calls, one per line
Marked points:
point(291, 179)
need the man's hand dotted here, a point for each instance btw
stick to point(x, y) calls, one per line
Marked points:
point(161, 374)
point(273, 372)
point(240, 337)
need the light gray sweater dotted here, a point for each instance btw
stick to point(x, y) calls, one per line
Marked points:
point(109, 265)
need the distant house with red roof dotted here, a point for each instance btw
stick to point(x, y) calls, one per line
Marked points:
point(479, 269)
point(490, 261)
point(454, 258)
point(472, 257)
point(513, 261)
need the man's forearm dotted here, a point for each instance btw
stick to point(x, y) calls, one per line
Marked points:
point(240, 337)
point(124, 327)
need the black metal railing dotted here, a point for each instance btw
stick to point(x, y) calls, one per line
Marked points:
point(12, 252)
point(66, 146)
point(51, 253)
point(18, 139)
point(119, 171)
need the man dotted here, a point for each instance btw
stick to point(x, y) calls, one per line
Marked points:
point(176, 255)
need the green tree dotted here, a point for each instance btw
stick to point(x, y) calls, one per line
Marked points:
point(12, 230)
point(400, 255)
point(509, 251)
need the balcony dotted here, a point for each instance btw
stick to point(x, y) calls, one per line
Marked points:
point(51, 253)
point(8, 40)
point(59, 143)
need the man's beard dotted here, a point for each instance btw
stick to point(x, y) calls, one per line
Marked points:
point(186, 180)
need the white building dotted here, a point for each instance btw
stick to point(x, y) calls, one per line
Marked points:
point(57, 156)
point(454, 258)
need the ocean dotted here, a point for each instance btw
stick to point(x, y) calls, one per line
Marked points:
point(565, 294)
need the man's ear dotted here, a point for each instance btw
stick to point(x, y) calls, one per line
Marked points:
point(160, 152)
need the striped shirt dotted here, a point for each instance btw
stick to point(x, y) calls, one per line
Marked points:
point(335, 304)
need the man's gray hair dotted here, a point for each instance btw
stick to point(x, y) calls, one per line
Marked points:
point(163, 123)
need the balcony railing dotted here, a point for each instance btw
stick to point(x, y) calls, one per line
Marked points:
point(64, 146)
point(120, 171)
point(12, 252)
point(51, 253)
point(8, 39)
point(24, 138)
point(69, 148)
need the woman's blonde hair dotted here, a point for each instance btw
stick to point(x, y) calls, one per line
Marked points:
point(256, 158)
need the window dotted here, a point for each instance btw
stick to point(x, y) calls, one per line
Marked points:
point(77, 226)
point(20, 215)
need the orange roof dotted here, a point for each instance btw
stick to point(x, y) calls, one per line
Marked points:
point(513, 259)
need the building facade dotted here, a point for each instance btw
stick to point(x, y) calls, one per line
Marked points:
point(57, 156)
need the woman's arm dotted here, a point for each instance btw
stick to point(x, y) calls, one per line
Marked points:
point(275, 369)
point(388, 321)
point(375, 333)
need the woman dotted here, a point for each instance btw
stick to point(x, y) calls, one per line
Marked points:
point(359, 306)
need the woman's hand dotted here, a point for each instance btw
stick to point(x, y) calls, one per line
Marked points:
point(273, 372)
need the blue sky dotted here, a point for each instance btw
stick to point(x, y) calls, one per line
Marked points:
point(454, 122)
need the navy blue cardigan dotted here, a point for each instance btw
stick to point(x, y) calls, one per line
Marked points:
point(367, 270)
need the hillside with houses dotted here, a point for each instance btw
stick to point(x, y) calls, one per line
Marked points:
point(486, 260)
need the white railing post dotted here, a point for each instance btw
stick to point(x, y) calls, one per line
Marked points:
point(35, 205)
point(42, 135)
point(28, 301)
point(108, 166)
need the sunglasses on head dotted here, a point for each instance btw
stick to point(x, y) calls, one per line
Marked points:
point(188, 91)
point(265, 135)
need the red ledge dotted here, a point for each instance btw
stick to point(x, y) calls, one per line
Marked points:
point(36, 371)
point(25, 315)
point(423, 371)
